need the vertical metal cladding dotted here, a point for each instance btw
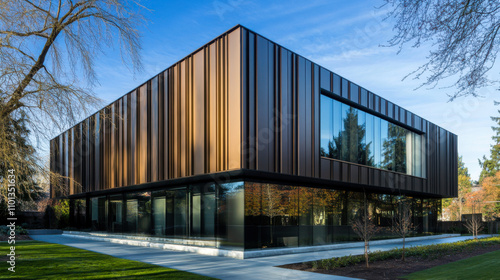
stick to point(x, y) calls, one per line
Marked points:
point(185, 121)
point(239, 102)
point(281, 123)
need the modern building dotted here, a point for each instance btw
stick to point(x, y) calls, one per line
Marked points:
point(244, 144)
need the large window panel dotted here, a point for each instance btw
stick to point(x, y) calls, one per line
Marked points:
point(369, 127)
point(337, 129)
point(326, 119)
point(352, 129)
point(361, 139)
point(353, 135)
point(345, 135)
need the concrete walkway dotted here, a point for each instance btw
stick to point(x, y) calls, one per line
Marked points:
point(222, 267)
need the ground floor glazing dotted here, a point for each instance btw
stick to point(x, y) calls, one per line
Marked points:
point(246, 215)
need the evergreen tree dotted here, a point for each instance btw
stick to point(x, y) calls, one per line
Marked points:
point(455, 206)
point(492, 164)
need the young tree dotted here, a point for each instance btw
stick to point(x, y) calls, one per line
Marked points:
point(364, 227)
point(46, 48)
point(463, 34)
point(272, 205)
point(402, 223)
point(474, 225)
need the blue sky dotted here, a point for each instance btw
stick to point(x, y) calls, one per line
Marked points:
point(343, 36)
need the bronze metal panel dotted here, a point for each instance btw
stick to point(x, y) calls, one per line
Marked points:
point(316, 122)
point(142, 136)
point(354, 92)
point(244, 99)
point(308, 118)
point(262, 110)
point(153, 161)
point(183, 129)
point(302, 118)
point(344, 88)
point(175, 119)
point(133, 138)
point(163, 126)
point(234, 100)
point(363, 176)
point(213, 109)
point(326, 169)
point(325, 79)
point(285, 119)
point(345, 172)
point(337, 171)
point(119, 151)
point(354, 174)
point(337, 84)
point(199, 114)
point(271, 117)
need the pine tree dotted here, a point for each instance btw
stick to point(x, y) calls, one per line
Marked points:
point(492, 164)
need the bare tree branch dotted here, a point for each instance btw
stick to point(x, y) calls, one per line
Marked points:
point(463, 35)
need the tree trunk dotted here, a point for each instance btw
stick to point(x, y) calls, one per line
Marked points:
point(366, 253)
point(404, 240)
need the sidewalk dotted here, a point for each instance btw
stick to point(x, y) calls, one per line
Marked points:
point(222, 267)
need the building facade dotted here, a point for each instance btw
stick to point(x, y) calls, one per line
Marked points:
point(244, 144)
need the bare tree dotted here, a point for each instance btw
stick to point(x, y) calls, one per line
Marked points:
point(402, 224)
point(463, 35)
point(272, 205)
point(364, 227)
point(47, 56)
point(474, 225)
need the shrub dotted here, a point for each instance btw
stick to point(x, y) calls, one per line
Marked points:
point(5, 230)
point(433, 251)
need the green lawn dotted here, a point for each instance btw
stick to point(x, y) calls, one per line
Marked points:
point(41, 260)
point(484, 266)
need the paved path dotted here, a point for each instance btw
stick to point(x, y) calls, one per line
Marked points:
point(222, 267)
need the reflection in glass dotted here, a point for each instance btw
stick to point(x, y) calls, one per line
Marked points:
point(116, 213)
point(352, 135)
point(369, 140)
point(159, 215)
point(230, 214)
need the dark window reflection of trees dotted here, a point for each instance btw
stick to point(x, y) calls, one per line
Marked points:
point(394, 149)
point(351, 139)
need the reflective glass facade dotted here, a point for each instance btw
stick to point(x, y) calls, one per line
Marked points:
point(353, 135)
point(247, 215)
point(209, 212)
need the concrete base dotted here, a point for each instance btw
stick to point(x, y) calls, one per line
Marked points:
point(196, 247)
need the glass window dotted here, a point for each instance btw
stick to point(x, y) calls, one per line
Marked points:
point(377, 142)
point(180, 212)
point(231, 214)
point(99, 213)
point(369, 148)
point(116, 213)
point(344, 155)
point(326, 124)
point(385, 157)
point(337, 129)
point(361, 139)
point(159, 215)
point(350, 134)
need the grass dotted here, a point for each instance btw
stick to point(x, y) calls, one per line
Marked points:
point(41, 260)
point(479, 267)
